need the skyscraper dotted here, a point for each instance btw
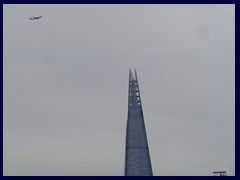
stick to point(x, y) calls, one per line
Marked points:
point(137, 157)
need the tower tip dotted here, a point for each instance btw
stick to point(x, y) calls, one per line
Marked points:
point(135, 71)
point(130, 75)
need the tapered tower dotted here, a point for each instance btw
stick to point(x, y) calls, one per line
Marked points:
point(137, 157)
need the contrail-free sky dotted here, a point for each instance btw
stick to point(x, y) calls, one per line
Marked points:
point(65, 82)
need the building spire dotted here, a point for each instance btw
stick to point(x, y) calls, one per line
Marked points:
point(130, 75)
point(137, 156)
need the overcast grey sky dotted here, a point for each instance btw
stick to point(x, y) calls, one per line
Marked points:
point(66, 84)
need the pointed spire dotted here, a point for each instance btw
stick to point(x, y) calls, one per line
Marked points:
point(130, 75)
point(137, 156)
point(135, 71)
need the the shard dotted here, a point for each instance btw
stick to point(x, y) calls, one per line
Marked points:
point(137, 156)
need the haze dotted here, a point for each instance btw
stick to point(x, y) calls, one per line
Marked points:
point(65, 83)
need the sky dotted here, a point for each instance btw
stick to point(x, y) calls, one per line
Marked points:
point(65, 87)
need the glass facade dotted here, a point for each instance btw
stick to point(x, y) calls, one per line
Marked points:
point(137, 157)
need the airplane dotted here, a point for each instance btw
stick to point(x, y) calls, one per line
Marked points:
point(35, 17)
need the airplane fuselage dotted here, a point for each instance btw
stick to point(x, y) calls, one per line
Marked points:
point(35, 17)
